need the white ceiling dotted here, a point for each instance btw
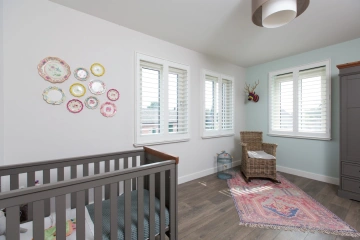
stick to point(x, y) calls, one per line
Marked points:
point(223, 28)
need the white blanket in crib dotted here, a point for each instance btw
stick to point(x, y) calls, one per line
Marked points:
point(51, 221)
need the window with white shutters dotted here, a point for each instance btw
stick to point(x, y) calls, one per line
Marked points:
point(162, 103)
point(300, 102)
point(227, 105)
point(218, 108)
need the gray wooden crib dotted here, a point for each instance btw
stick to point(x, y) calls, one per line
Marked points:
point(152, 173)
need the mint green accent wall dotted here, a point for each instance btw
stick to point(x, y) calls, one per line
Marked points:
point(315, 156)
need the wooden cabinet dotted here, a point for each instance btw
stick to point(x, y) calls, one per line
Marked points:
point(349, 131)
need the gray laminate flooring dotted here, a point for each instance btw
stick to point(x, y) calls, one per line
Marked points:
point(207, 212)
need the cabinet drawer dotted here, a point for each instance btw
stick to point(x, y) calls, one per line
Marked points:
point(351, 170)
point(351, 185)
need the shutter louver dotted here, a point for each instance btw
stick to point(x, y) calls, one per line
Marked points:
point(227, 105)
point(211, 103)
point(151, 95)
point(178, 101)
point(312, 117)
point(281, 92)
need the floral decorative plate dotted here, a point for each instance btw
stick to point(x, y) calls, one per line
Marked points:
point(54, 70)
point(75, 106)
point(108, 109)
point(113, 94)
point(77, 90)
point(54, 95)
point(81, 74)
point(97, 69)
point(91, 102)
point(97, 87)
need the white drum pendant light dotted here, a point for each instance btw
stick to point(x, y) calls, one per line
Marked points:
point(276, 13)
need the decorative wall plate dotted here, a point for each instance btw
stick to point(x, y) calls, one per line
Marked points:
point(81, 74)
point(97, 69)
point(91, 102)
point(97, 87)
point(54, 70)
point(108, 109)
point(54, 95)
point(77, 90)
point(75, 106)
point(113, 94)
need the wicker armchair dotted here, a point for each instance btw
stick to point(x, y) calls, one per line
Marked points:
point(256, 167)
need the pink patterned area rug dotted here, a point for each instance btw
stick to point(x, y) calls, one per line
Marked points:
point(263, 204)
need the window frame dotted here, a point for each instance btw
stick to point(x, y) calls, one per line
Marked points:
point(165, 137)
point(296, 133)
point(206, 134)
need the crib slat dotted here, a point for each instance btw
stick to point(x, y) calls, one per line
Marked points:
point(98, 213)
point(133, 185)
point(86, 173)
point(46, 179)
point(162, 206)
point(60, 202)
point(73, 176)
point(107, 187)
point(127, 214)
point(13, 223)
point(96, 167)
point(30, 183)
point(60, 174)
point(113, 212)
point(38, 223)
point(140, 187)
point(117, 167)
point(126, 162)
point(152, 206)
point(172, 205)
point(14, 181)
point(142, 158)
point(80, 215)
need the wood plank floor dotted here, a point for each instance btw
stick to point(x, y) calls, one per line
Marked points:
point(206, 213)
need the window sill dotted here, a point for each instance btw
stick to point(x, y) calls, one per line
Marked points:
point(218, 136)
point(301, 137)
point(160, 143)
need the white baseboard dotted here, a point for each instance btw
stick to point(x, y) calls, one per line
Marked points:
point(202, 173)
point(310, 175)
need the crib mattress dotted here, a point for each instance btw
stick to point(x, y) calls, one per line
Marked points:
point(134, 219)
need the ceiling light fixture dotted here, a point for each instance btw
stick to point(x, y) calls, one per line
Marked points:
point(276, 13)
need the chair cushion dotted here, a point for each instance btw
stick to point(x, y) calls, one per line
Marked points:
point(260, 154)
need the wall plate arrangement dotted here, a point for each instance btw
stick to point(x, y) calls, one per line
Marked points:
point(81, 74)
point(113, 95)
point(97, 69)
point(108, 109)
point(75, 106)
point(54, 70)
point(97, 87)
point(77, 90)
point(54, 95)
point(91, 102)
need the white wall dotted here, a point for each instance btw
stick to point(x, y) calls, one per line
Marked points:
point(1, 86)
point(36, 131)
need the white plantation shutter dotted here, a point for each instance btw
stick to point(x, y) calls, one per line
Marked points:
point(151, 99)
point(178, 104)
point(218, 105)
point(162, 101)
point(300, 102)
point(281, 92)
point(211, 103)
point(227, 105)
point(313, 100)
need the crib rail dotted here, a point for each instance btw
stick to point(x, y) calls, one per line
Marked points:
point(37, 195)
